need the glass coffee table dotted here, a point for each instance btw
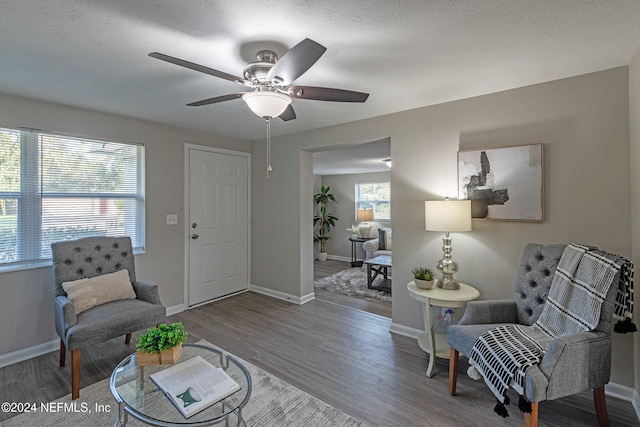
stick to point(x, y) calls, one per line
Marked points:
point(138, 396)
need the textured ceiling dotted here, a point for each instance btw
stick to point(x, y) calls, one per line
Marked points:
point(406, 54)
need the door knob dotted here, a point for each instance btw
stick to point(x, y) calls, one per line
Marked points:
point(194, 236)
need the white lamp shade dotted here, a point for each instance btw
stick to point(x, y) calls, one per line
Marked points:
point(267, 104)
point(447, 215)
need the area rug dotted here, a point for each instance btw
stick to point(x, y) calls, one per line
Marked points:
point(352, 282)
point(273, 403)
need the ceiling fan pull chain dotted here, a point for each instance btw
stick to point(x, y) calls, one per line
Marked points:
point(269, 168)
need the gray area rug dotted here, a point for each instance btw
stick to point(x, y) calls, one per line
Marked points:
point(273, 403)
point(352, 282)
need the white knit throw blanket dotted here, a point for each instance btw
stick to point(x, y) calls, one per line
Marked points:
point(579, 287)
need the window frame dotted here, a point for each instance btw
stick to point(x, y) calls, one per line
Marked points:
point(31, 197)
point(357, 203)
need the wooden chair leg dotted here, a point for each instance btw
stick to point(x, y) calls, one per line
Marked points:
point(601, 406)
point(453, 370)
point(75, 374)
point(127, 339)
point(531, 419)
point(63, 353)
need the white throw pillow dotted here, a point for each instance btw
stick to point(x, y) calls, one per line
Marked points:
point(93, 291)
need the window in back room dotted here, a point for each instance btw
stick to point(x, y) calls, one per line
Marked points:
point(376, 196)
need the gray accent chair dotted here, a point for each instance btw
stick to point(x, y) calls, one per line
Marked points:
point(572, 364)
point(89, 257)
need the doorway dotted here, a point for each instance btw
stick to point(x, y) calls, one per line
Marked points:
point(217, 248)
point(344, 169)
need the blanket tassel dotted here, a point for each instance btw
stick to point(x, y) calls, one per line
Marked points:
point(524, 404)
point(624, 326)
point(500, 408)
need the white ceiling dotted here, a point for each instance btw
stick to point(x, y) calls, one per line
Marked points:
point(406, 54)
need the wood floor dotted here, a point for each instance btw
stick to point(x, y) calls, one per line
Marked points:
point(344, 356)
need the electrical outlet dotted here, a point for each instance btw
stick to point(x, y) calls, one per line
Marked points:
point(172, 219)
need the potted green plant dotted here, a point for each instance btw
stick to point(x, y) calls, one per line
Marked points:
point(423, 277)
point(323, 220)
point(160, 345)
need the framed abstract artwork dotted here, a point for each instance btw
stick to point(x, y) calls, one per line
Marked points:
point(503, 183)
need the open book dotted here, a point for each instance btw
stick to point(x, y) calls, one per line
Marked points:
point(194, 385)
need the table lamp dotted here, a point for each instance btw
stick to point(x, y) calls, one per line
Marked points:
point(362, 216)
point(447, 215)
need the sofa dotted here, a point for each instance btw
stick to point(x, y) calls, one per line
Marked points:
point(381, 242)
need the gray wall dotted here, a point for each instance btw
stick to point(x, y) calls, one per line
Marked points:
point(26, 306)
point(343, 187)
point(583, 122)
point(634, 115)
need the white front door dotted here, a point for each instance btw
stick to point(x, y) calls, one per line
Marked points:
point(218, 224)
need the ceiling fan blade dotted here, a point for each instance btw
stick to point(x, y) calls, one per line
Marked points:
point(327, 94)
point(288, 114)
point(196, 67)
point(217, 99)
point(295, 62)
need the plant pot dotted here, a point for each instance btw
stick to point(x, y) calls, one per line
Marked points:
point(423, 284)
point(169, 356)
point(322, 256)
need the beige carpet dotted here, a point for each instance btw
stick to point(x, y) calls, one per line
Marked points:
point(273, 403)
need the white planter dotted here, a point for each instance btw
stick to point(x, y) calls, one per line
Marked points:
point(322, 256)
point(423, 284)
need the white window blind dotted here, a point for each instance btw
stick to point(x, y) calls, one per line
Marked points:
point(55, 187)
point(376, 196)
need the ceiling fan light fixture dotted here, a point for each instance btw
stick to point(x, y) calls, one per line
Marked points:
point(267, 103)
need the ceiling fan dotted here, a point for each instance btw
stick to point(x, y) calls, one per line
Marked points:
point(270, 78)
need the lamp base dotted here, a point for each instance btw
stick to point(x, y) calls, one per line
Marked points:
point(364, 230)
point(448, 284)
point(447, 267)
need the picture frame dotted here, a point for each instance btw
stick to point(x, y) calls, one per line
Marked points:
point(503, 183)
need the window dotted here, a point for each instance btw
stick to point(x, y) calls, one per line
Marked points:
point(376, 196)
point(55, 187)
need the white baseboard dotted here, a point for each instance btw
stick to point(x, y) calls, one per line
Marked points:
point(282, 295)
point(619, 391)
point(339, 258)
point(625, 393)
point(175, 309)
point(29, 352)
point(405, 331)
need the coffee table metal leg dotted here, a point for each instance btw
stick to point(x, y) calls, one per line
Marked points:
point(122, 416)
point(369, 278)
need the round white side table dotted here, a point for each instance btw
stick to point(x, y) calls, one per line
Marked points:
point(435, 343)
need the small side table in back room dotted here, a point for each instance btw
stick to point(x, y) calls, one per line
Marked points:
point(354, 241)
point(435, 343)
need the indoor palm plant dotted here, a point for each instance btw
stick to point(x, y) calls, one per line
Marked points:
point(323, 220)
point(162, 344)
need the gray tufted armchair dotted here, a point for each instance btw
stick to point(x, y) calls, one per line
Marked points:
point(572, 364)
point(90, 257)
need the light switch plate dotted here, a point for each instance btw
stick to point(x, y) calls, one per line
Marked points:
point(172, 219)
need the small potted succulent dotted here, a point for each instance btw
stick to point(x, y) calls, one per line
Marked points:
point(160, 345)
point(423, 277)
